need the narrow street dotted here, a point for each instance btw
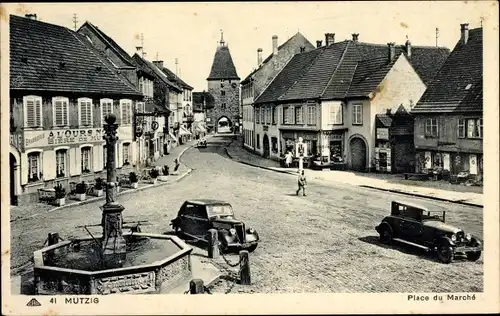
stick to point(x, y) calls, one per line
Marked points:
point(324, 242)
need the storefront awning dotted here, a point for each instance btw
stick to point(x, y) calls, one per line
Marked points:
point(183, 131)
point(172, 136)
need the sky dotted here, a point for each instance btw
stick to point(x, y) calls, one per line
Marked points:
point(190, 31)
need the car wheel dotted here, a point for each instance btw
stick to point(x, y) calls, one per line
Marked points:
point(473, 255)
point(385, 234)
point(445, 253)
point(252, 248)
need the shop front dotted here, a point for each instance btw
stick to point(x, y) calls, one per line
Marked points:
point(332, 146)
point(383, 150)
point(290, 138)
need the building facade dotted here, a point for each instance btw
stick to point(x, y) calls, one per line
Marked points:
point(224, 86)
point(57, 112)
point(449, 116)
point(260, 78)
point(331, 95)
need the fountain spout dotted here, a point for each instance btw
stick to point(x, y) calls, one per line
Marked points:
point(113, 244)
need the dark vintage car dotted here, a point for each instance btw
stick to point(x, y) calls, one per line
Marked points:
point(196, 217)
point(415, 225)
point(202, 143)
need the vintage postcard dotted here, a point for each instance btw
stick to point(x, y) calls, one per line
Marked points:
point(250, 158)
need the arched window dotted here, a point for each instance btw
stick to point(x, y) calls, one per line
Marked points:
point(61, 163)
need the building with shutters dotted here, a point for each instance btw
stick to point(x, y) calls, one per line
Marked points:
point(256, 82)
point(58, 102)
point(330, 96)
point(224, 86)
point(449, 116)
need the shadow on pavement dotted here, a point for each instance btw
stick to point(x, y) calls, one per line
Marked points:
point(374, 240)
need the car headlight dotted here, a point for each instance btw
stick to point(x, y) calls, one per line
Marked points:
point(251, 231)
point(453, 237)
point(468, 236)
point(232, 231)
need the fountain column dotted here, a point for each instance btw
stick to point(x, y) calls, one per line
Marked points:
point(113, 243)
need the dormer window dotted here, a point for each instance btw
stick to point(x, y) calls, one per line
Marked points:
point(468, 86)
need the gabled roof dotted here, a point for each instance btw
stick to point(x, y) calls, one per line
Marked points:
point(288, 76)
point(48, 57)
point(344, 70)
point(459, 84)
point(176, 79)
point(199, 97)
point(297, 35)
point(155, 70)
point(223, 66)
point(114, 46)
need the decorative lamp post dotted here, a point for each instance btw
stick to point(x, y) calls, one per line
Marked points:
point(113, 243)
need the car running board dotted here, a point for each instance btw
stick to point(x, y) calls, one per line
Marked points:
point(411, 244)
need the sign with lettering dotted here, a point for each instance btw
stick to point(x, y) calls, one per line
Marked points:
point(382, 133)
point(33, 139)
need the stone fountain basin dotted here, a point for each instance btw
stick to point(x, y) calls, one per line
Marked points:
point(155, 264)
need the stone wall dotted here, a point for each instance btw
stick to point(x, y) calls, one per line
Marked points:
point(224, 92)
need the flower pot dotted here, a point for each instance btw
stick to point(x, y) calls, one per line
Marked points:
point(163, 178)
point(80, 196)
point(154, 180)
point(99, 192)
point(60, 202)
point(134, 185)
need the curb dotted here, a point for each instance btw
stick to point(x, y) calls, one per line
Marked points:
point(361, 185)
point(95, 199)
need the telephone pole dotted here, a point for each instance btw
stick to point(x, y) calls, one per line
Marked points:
point(437, 36)
point(75, 20)
point(142, 44)
point(176, 67)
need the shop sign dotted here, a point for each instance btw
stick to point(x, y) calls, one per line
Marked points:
point(382, 133)
point(34, 139)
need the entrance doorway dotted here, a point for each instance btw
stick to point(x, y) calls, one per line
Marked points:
point(265, 145)
point(13, 167)
point(358, 154)
point(224, 125)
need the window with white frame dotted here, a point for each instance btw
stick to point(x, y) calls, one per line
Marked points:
point(86, 159)
point(288, 115)
point(60, 111)
point(34, 166)
point(357, 114)
point(61, 163)
point(336, 113)
point(32, 111)
point(475, 128)
point(311, 114)
point(140, 107)
point(431, 127)
point(275, 115)
point(257, 115)
point(85, 112)
point(126, 111)
point(126, 154)
point(262, 115)
point(106, 108)
point(299, 117)
point(461, 128)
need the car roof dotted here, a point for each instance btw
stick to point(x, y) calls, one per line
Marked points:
point(412, 205)
point(208, 202)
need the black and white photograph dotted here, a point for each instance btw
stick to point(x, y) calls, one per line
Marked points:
point(210, 155)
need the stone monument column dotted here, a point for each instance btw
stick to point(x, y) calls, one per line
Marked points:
point(113, 243)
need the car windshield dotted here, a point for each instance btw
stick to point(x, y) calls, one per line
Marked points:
point(220, 210)
point(433, 215)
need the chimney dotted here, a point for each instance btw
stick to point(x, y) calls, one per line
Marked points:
point(318, 44)
point(355, 36)
point(464, 30)
point(392, 51)
point(259, 56)
point(408, 48)
point(275, 44)
point(329, 39)
point(31, 16)
point(158, 63)
point(302, 49)
point(388, 112)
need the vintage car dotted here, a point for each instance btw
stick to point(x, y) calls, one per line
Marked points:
point(416, 226)
point(196, 217)
point(202, 143)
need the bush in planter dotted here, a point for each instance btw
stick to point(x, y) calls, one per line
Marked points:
point(80, 191)
point(154, 173)
point(133, 180)
point(99, 187)
point(166, 170)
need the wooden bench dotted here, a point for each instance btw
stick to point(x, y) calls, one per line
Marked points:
point(46, 195)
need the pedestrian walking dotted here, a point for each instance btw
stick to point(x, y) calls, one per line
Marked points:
point(177, 164)
point(302, 182)
point(288, 159)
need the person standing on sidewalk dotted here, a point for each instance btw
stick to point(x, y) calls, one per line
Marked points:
point(302, 182)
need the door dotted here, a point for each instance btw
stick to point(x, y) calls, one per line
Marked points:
point(358, 154)
point(473, 164)
point(265, 144)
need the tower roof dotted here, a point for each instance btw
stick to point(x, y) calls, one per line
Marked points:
point(223, 66)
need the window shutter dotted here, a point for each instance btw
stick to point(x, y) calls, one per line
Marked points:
point(31, 117)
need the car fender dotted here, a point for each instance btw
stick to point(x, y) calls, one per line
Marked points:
point(475, 240)
point(251, 237)
point(444, 240)
point(384, 224)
